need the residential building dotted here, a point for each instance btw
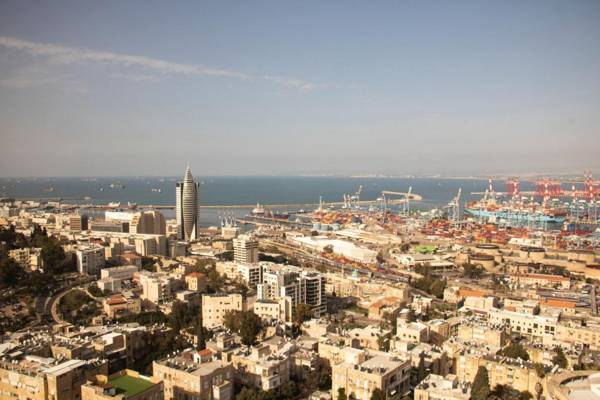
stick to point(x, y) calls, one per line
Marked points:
point(413, 332)
point(187, 376)
point(524, 323)
point(196, 282)
point(541, 280)
point(90, 259)
point(156, 287)
point(119, 305)
point(303, 287)
point(437, 387)
point(215, 306)
point(362, 372)
point(518, 374)
point(43, 378)
point(494, 335)
point(123, 385)
point(262, 367)
point(245, 249)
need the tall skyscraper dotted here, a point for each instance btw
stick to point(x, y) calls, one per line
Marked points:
point(186, 207)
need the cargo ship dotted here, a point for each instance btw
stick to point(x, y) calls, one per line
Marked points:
point(493, 211)
point(551, 216)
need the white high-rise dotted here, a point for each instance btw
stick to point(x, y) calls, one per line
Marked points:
point(186, 207)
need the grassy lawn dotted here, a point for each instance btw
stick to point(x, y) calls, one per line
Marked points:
point(130, 386)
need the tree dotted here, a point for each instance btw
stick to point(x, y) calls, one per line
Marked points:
point(53, 256)
point(421, 371)
point(437, 288)
point(378, 394)
point(289, 390)
point(472, 271)
point(539, 369)
point(201, 334)
point(480, 389)
point(516, 350)
point(303, 313)
point(10, 272)
point(247, 394)
point(341, 394)
point(382, 342)
point(391, 320)
point(559, 358)
point(328, 249)
point(245, 323)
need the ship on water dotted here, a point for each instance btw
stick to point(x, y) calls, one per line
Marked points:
point(524, 212)
point(518, 209)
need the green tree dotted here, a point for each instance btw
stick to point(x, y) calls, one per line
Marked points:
point(472, 271)
point(378, 394)
point(539, 369)
point(289, 390)
point(559, 358)
point(10, 272)
point(201, 333)
point(302, 313)
point(515, 350)
point(53, 256)
point(247, 394)
point(421, 370)
point(245, 323)
point(525, 395)
point(437, 288)
point(341, 394)
point(480, 389)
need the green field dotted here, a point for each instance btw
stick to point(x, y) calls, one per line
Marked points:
point(130, 386)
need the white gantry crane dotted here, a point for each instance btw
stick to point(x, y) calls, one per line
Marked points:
point(406, 197)
point(454, 208)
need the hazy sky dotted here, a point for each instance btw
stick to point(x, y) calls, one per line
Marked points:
point(252, 87)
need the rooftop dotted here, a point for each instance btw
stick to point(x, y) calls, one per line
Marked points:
point(129, 385)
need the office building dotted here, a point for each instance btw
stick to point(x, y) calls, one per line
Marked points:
point(78, 223)
point(110, 226)
point(186, 207)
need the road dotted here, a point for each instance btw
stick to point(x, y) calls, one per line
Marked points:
point(56, 301)
point(43, 304)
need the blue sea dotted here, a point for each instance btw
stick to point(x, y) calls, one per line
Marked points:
point(237, 190)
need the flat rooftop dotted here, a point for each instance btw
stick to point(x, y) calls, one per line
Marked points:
point(130, 386)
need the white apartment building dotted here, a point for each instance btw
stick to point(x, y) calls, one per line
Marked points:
point(300, 286)
point(90, 259)
point(525, 323)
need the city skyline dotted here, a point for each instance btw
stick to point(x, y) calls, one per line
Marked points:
point(312, 89)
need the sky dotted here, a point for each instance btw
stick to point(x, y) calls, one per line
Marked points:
point(399, 87)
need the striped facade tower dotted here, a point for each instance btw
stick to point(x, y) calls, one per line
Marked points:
point(186, 207)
